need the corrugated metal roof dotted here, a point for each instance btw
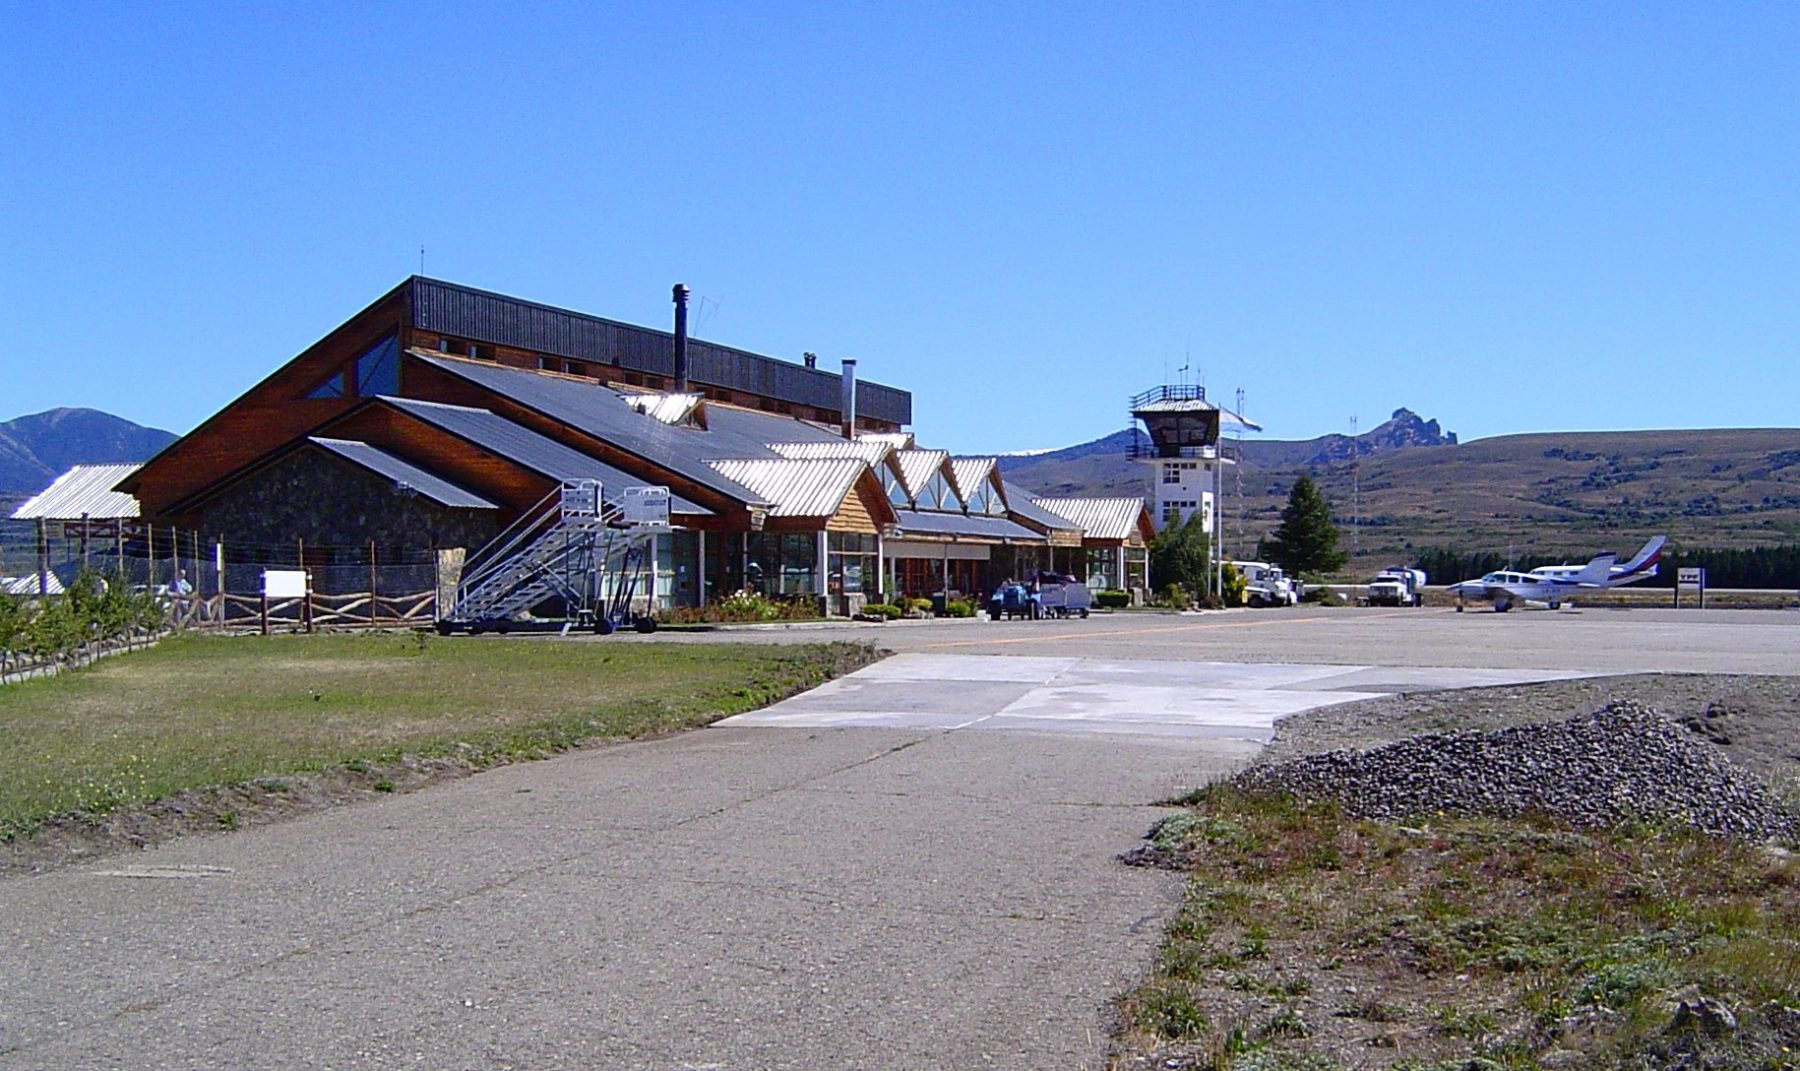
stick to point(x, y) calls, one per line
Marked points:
point(1019, 501)
point(797, 488)
point(917, 466)
point(899, 440)
point(970, 472)
point(603, 413)
point(482, 315)
point(1098, 518)
point(914, 522)
point(83, 491)
point(404, 472)
point(668, 408)
point(28, 585)
point(870, 453)
point(527, 448)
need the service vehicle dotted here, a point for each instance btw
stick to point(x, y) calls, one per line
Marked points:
point(1399, 586)
point(1266, 585)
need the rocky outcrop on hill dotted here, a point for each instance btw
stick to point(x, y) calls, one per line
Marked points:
point(1404, 429)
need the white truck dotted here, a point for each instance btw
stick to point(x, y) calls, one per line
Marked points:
point(1264, 585)
point(1399, 586)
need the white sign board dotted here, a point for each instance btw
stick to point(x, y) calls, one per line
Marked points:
point(645, 506)
point(284, 583)
point(581, 498)
point(1691, 577)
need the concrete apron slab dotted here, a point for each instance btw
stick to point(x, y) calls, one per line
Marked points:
point(1082, 695)
point(894, 896)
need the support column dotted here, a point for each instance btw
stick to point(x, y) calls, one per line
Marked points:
point(700, 567)
point(1218, 527)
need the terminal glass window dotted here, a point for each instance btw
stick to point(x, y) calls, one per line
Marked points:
point(1101, 567)
point(782, 563)
point(1137, 567)
point(850, 563)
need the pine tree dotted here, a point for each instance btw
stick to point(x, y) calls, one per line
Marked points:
point(1306, 541)
point(1180, 554)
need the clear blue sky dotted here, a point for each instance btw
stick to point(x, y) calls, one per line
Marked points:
point(1511, 217)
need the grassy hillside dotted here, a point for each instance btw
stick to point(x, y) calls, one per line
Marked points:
point(1558, 493)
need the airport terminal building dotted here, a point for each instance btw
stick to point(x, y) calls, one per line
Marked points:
point(442, 415)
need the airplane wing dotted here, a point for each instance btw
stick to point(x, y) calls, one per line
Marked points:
point(1595, 574)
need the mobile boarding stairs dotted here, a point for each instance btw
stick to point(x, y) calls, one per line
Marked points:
point(580, 554)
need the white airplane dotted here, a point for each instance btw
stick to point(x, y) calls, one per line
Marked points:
point(1553, 585)
point(1642, 565)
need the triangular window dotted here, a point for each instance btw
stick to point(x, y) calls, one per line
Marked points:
point(331, 388)
point(937, 494)
point(378, 369)
point(896, 492)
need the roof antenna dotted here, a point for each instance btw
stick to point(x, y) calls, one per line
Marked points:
point(421, 260)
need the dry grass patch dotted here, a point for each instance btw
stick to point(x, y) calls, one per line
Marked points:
point(1309, 940)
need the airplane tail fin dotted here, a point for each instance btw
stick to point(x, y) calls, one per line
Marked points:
point(1596, 572)
point(1644, 564)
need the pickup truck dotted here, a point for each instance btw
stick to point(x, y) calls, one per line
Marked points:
point(1265, 585)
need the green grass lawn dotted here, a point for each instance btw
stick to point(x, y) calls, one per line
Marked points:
point(197, 712)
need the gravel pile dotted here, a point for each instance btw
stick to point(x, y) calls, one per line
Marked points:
point(1620, 763)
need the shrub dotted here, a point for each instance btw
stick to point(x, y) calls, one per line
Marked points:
point(92, 610)
point(959, 608)
point(920, 605)
point(884, 609)
point(1232, 587)
point(1173, 595)
point(1112, 599)
point(745, 606)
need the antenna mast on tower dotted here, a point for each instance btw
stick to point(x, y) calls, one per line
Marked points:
point(1355, 491)
point(1237, 472)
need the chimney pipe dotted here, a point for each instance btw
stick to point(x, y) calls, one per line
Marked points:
point(848, 405)
point(811, 359)
point(681, 339)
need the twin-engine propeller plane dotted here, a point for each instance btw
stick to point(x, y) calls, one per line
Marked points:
point(1554, 585)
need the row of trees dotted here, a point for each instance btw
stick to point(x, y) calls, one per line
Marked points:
point(1754, 567)
point(93, 611)
point(1304, 543)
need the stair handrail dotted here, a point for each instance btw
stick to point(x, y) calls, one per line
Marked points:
point(499, 549)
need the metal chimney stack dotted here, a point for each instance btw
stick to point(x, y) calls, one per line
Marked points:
point(681, 362)
point(848, 405)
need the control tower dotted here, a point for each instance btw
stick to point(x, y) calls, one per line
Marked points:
point(1183, 450)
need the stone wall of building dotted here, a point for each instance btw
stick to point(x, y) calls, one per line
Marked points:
point(316, 496)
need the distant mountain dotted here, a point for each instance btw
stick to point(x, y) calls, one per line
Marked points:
point(36, 449)
point(1104, 466)
point(1414, 486)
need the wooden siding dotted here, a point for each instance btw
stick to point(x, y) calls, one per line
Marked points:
point(863, 508)
point(265, 418)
